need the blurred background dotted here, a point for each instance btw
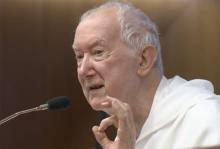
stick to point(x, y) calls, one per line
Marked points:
point(37, 63)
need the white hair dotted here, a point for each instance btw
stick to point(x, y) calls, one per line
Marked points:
point(137, 29)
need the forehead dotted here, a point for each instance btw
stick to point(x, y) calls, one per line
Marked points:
point(100, 27)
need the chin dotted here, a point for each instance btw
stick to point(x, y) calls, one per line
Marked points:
point(95, 103)
point(95, 107)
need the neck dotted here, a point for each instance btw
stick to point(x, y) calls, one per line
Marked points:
point(143, 102)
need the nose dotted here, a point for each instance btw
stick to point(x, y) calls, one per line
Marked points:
point(86, 70)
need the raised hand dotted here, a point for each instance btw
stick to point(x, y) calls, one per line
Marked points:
point(121, 117)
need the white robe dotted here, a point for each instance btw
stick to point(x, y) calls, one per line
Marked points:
point(184, 114)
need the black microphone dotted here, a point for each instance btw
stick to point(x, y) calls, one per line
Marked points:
point(59, 102)
point(55, 103)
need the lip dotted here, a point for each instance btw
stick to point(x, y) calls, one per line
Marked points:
point(95, 87)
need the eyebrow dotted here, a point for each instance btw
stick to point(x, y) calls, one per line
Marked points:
point(100, 42)
point(93, 44)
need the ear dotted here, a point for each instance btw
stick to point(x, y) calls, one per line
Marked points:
point(147, 59)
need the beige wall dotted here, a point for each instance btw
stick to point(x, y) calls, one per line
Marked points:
point(36, 63)
point(191, 45)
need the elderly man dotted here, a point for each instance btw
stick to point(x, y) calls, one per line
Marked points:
point(120, 70)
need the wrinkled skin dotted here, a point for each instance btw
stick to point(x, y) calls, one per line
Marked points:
point(107, 72)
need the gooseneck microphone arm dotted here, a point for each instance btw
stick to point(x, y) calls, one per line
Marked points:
point(53, 104)
point(39, 108)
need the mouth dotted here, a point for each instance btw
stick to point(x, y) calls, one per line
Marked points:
point(95, 87)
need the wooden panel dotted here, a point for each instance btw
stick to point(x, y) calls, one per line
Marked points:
point(191, 44)
point(36, 63)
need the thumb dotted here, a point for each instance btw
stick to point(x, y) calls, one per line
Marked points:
point(101, 137)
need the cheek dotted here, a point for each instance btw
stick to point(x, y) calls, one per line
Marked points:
point(82, 86)
point(120, 77)
point(80, 80)
point(116, 72)
point(114, 79)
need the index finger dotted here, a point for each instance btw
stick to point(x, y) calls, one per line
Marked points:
point(124, 115)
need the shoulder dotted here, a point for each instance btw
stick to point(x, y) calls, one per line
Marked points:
point(205, 111)
point(200, 125)
point(204, 116)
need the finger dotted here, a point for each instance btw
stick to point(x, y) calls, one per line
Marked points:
point(100, 103)
point(106, 106)
point(126, 132)
point(101, 137)
point(125, 119)
point(107, 122)
point(123, 114)
point(117, 108)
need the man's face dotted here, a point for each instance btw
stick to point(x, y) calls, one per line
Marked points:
point(105, 65)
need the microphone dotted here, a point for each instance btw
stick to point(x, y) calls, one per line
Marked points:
point(55, 103)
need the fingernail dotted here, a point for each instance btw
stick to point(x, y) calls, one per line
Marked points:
point(105, 104)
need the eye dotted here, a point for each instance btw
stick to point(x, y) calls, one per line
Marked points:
point(79, 56)
point(98, 52)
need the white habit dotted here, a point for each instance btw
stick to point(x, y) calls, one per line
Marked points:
point(184, 114)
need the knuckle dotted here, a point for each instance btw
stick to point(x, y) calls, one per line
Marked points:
point(126, 111)
point(123, 115)
point(127, 106)
point(104, 121)
point(114, 101)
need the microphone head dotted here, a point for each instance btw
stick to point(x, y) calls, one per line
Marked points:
point(59, 102)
